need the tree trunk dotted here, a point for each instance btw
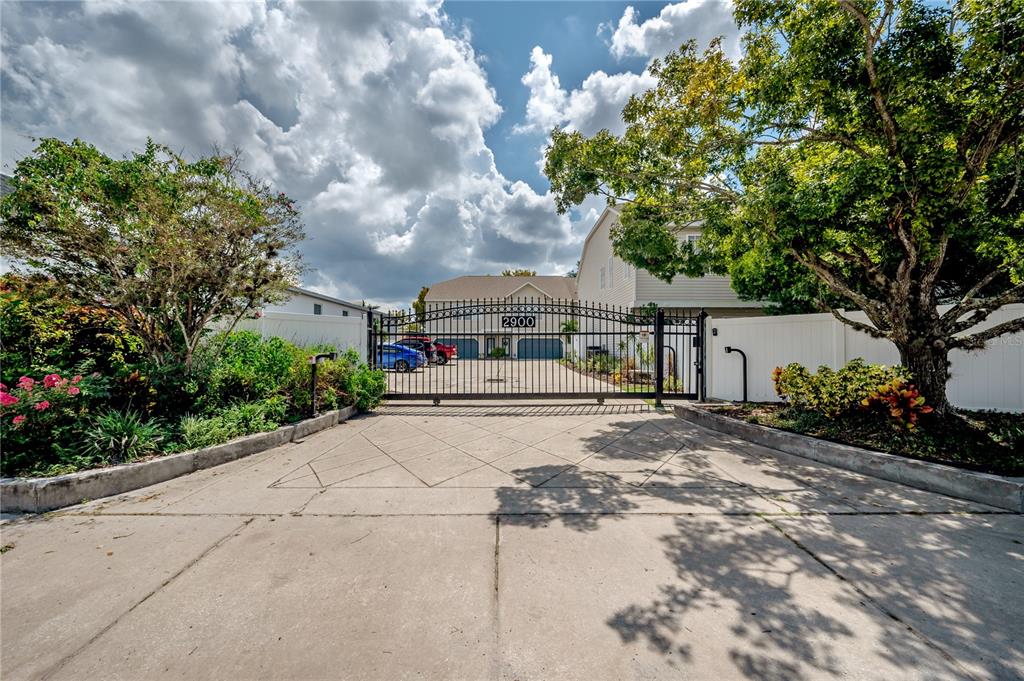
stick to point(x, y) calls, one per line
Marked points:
point(928, 361)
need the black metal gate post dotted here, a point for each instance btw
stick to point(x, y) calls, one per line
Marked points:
point(702, 354)
point(659, 356)
point(370, 340)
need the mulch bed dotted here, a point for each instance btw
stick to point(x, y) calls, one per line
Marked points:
point(983, 441)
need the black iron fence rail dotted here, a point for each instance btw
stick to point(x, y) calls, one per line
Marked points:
point(534, 348)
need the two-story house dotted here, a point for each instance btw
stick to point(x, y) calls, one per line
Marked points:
point(458, 314)
point(605, 278)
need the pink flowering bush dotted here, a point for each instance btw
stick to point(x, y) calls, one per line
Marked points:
point(41, 422)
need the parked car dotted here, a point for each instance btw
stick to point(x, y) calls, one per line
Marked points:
point(399, 357)
point(426, 347)
point(445, 353)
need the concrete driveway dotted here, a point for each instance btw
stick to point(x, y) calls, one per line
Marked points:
point(537, 542)
point(502, 378)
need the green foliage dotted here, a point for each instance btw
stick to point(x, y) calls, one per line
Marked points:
point(859, 155)
point(241, 384)
point(41, 422)
point(243, 367)
point(235, 421)
point(420, 307)
point(497, 353)
point(166, 245)
point(366, 386)
point(44, 332)
point(519, 273)
point(829, 392)
point(120, 437)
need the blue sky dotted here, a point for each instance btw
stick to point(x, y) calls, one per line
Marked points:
point(505, 32)
point(409, 133)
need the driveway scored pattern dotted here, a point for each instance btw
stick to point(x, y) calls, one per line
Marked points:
point(516, 542)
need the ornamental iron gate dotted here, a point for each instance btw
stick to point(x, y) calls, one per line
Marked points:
point(531, 348)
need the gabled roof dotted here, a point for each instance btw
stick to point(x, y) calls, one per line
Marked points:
point(329, 299)
point(472, 287)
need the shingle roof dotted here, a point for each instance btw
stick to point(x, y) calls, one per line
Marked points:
point(472, 287)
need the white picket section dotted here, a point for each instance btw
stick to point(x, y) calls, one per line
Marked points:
point(992, 378)
point(309, 329)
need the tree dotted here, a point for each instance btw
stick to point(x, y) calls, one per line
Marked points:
point(519, 273)
point(861, 154)
point(575, 271)
point(168, 246)
point(419, 306)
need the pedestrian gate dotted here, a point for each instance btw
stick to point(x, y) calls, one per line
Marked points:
point(528, 349)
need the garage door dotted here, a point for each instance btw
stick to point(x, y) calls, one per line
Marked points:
point(539, 348)
point(469, 348)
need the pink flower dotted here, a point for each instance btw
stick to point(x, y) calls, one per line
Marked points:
point(3, 387)
point(26, 383)
point(7, 399)
point(76, 379)
point(73, 390)
point(18, 420)
point(52, 380)
point(40, 406)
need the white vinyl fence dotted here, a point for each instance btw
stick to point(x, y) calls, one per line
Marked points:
point(992, 378)
point(309, 329)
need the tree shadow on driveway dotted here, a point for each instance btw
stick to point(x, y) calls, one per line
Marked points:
point(829, 595)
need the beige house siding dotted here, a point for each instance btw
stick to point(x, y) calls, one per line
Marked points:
point(641, 288)
point(620, 280)
point(486, 328)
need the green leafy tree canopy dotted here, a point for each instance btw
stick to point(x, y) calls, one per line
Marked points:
point(861, 154)
point(169, 246)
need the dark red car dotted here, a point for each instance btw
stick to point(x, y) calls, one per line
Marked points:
point(448, 352)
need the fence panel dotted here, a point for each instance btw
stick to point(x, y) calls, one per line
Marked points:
point(992, 378)
point(308, 329)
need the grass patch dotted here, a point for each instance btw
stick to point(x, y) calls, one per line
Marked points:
point(991, 442)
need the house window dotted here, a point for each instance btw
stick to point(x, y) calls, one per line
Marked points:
point(692, 239)
point(602, 278)
point(611, 273)
point(344, 313)
point(626, 273)
point(318, 308)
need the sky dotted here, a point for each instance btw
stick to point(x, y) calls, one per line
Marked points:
point(410, 134)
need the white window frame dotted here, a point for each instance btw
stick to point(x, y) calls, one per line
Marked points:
point(603, 279)
point(611, 272)
point(693, 239)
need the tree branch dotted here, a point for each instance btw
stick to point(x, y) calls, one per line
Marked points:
point(976, 341)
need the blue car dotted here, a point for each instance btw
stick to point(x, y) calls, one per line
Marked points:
point(399, 357)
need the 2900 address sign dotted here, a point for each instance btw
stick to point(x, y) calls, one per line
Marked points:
point(519, 322)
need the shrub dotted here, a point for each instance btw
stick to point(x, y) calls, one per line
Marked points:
point(41, 422)
point(833, 392)
point(497, 353)
point(900, 400)
point(119, 437)
point(232, 422)
point(45, 332)
point(366, 386)
point(243, 367)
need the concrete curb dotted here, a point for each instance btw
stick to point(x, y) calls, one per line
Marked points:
point(984, 488)
point(37, 495)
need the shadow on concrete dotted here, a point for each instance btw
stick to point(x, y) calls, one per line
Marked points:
point(791, 585)
point(521, 409)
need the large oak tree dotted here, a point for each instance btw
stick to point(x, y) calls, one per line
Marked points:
point(170, 246)
point(860, 154)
